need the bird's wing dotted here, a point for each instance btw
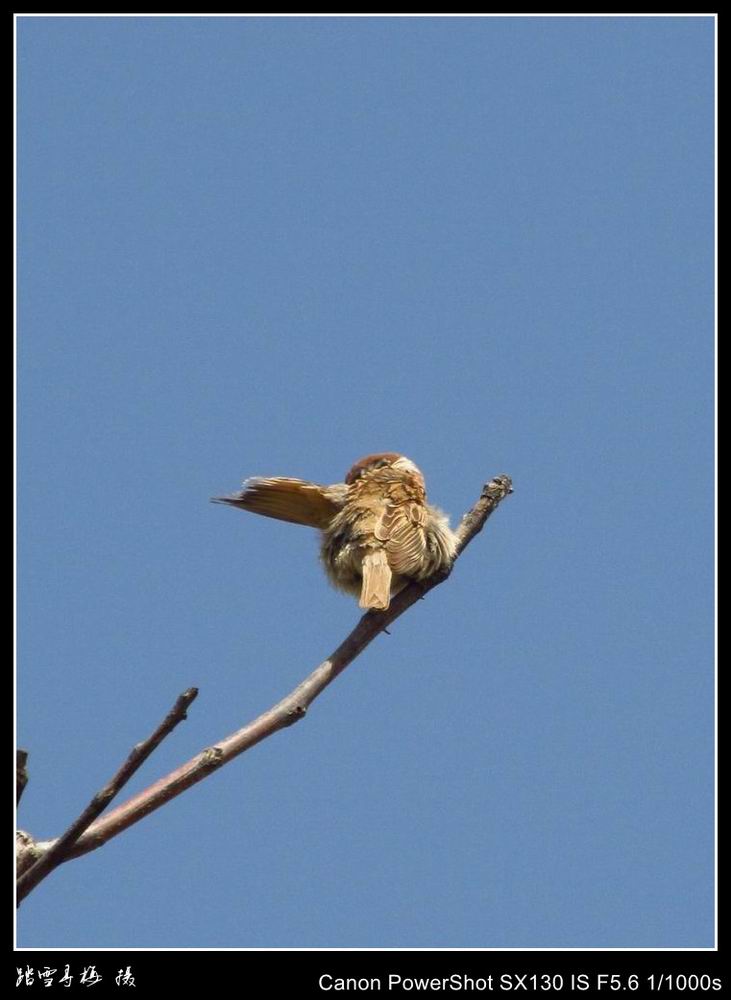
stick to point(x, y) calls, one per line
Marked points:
point(293, 500)
point(401, 528)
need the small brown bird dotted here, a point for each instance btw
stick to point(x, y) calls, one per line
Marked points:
point(378, 531)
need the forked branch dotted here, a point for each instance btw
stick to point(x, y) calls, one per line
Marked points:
point(60, 849)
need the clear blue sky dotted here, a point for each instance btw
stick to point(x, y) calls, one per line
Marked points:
point(269, 246)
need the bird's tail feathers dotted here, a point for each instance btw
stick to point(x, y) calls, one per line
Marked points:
point(376, 590)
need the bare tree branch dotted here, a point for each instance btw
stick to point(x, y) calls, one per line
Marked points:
point(290, 709)
point(27, 851)
point(60, 848)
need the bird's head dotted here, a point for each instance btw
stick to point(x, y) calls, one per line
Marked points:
point(381, 460)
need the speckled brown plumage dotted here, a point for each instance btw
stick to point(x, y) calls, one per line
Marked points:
point(378, 531)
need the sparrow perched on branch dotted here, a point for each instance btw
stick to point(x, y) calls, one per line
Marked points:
point(378, 531)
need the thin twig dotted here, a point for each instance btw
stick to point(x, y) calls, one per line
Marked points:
point(21, 773)
point(294, 706)
point(60, 848)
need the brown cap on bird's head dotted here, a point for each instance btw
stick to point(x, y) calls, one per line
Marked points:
point(371, 462)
